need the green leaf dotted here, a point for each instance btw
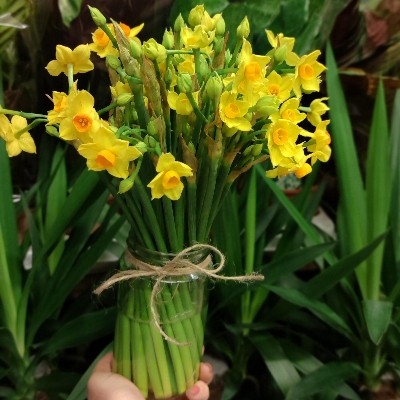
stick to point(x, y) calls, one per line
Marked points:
point(378, 316)
point(328, 377)
point(277, 362)
point(378, 186)
point(352, 196)
point(81, 330)
point(320, 309)
point(69, 10)
point(79, 391)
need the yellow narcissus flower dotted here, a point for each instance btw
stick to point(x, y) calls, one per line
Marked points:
point(318, 108)
point(154, 51)
point(232, 112)
point(168, 180)
point(319, 144)
point(280, 41)
point(185, 63)
point(16, 142)
point(307, 75)
point(120, 88)
point(102, 44)
point(107, 153)
point(81, 118)
point(279, 86)
point(196, 38)
point(296, 164)
point(79, 58)
point(282, 136)
point(56, 115)
point(180, 102)
point(290, 110)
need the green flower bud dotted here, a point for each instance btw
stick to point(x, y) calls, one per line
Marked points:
point(135, 48)
point(52, 130)
point(243, 30)
point(152, 128)
point(125, 185)
point(98, 18)
point(220, 26)
point(179, 23)
point(168, 40)
point(218, 44)
point(141, 146)
point(150, 142)
point(280, 54)
point(204, 70)
point(229, 132)
point(154, 51)
point(113, 62)
point(248, 150)
point(257, 149)
point(185, 82)
point(267, 105)
point(124, 98)
point(213, 88)
point(196, 15)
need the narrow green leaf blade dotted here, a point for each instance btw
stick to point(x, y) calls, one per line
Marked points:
point(378, 316)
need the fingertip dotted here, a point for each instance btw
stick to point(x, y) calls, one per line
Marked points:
point(105, 363)
point(206, 372)
point(199, 391)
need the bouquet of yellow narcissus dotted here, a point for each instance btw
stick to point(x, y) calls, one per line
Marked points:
point(186, 117)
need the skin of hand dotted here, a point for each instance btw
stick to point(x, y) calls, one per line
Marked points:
point(107, 385)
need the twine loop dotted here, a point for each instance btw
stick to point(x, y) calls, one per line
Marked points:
point(180, 265)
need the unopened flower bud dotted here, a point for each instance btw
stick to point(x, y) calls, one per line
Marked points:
point(204, 70)
point(152, 128)
point(168, 40)
point(154, 51)
point(248, 150)
point(257, 149)
point(218, 44)
point(125, 185)
point(220, 26)
point(267, 105)
point(113, 62)
point(185, 82)
point(141, 146)
point(123, 99)
point(243, 30)
point(179, 23)
point(136, 48)
point(196, 15)
point(150, 142)
point(98, 18)
point(52, 130)
point(213, 88)
point(280, 54)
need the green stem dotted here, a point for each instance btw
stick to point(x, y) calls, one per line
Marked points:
point(170, 224)
point(108, 108)
point(138, 357)
point(192, 211)
point(149, 212)
point(70, 75)
point(150, 355)
point(137, 90)
point(180, 220)
point(195, 107)
point(206, 208)
point(180, 335)
point(159, 350)
point(22, 114)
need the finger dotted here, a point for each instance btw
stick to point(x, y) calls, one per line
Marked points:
point(206, 372)
point(104, 365)
point(199, 391)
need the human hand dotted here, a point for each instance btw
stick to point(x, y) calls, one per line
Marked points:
point(107, 385)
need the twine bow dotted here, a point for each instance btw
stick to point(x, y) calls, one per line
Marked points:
point(178, 266)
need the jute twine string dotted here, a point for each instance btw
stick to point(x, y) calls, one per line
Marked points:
point(177, 266)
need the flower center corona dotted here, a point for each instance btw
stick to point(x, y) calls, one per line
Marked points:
point(288, 114)
point(105, 158)
point(280, 136)
point(306, 71)
point(273, 89)
point(252, 72)
point(82, 122)
point(232, 110)
point(170, 180)
point(101, 38)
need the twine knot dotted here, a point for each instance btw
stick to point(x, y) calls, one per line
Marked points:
point(178, 266)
